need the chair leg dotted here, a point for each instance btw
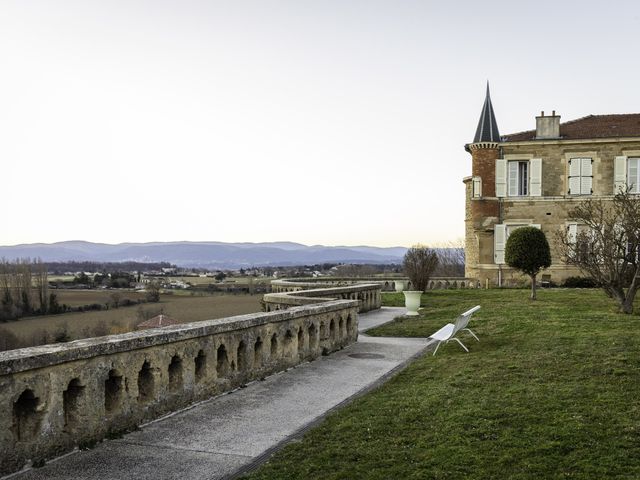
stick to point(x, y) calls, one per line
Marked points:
point(437, 347)
point(461, 344)
point(472, 334)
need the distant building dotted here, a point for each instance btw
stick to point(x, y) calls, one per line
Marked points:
point(536, 177)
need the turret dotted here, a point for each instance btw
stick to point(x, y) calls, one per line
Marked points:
point(484, 150)
point(482, 206)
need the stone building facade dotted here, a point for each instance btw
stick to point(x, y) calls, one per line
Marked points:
point(535, 178)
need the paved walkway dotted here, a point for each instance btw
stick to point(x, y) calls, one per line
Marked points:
point(229, 434)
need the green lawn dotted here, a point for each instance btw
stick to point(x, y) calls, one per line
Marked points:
point(551, 391)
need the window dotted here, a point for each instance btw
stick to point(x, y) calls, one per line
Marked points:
point(580, 176)
point(518, 178)
point(501, 234)
point(477, 187)
point(633, 174)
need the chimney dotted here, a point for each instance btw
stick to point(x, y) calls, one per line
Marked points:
point(547, 127)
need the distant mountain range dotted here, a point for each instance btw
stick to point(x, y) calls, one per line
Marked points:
point(205, 254)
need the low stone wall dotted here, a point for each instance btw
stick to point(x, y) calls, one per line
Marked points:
point(56, 397)
point(387, 284)
point(293, 293)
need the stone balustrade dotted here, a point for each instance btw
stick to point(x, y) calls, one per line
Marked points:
point(293, 293)
point(387, 283)
point(56, 397)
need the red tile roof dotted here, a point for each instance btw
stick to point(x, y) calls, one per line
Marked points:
point(591, 126)
point(157, 322)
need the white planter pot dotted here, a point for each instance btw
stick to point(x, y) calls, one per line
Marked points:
point(399, 285)
point(412, 302)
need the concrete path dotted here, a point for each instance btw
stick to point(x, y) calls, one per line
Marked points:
point(232, 433)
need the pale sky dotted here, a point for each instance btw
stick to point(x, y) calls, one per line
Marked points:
point(321, 122)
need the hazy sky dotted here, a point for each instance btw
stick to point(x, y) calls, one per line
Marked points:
point(332, 122)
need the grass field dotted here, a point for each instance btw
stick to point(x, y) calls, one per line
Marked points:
point(549, 392)
point(76, 298)
point(40, 330)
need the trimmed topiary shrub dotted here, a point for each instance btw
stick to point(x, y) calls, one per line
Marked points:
point(528, 250)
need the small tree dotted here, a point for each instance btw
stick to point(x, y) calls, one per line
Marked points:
point(527, 250)
point(607, 247)
point(419, 263)
point(153, 291)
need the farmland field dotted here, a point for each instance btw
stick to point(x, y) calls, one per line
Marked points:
point(41, 330)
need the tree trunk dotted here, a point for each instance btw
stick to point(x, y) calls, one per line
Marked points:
point(627, 306)
point(533, 287)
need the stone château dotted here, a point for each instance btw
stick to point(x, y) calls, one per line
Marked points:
point(536, 178)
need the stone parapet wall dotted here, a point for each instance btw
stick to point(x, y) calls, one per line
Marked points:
point(385, 283)
point(304, 293)
point(56, 397)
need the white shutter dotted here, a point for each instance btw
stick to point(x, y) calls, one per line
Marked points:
point(501, 178)
point(535, 177)
point(572, 232)
point(574, 185)
point(619, 174)
point(477, 187)
point(499, 240)
point(574, 167)
point(586, 182)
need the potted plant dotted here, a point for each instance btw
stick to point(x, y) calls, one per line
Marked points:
point(419, 263)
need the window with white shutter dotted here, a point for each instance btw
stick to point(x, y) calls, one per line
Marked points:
point(477, 187)
point(499, 241)
point(580, 176)
point(619, 174)
point(572, 233)
point(633, 174)
point(535, 180)
point(501, 178)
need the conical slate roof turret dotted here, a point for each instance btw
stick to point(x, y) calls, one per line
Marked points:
point(487, 130)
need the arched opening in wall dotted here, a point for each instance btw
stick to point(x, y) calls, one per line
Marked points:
point(257, 353)
point(222, 361)
point(71, 403)
point(300, 339)
point(332, 329)
point(26, 418)
point(274, 347)
point(113, 391)
point(242, 356)
point(146, 383)
point(200, 366)
point(313, 336)
point(349, 324)
point(175, 373)
point(289, 347)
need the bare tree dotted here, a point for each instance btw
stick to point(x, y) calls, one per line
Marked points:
point(606, 247)
point(419, 263)
point(450, 259)
point(41, 285)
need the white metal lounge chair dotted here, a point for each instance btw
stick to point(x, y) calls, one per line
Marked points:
point(448, 332)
